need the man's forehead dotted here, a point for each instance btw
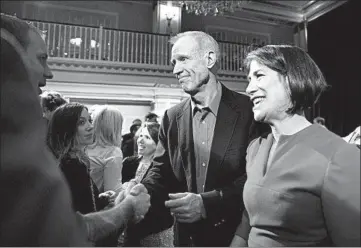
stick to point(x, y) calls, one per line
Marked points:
point(36, 39)
point(184, 45)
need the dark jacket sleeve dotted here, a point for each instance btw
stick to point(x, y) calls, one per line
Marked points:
point(160, 178)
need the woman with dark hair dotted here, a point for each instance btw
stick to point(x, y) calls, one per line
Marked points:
point(155, 230)
point(50, 101)
point(148, 143)
point(303, 181)
point(70, 131)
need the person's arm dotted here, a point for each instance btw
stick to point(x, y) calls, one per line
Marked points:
point(223, 198)
point(241, 236)
point(160, 177)
point(341, 197)
point(131, 209)
point(113, 173)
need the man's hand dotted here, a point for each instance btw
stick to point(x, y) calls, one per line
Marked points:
point(186, 207)
point(128, 186)
point(140, 200)
point(133, 189)
point(120, 197)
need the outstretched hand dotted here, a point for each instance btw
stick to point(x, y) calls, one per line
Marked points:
point(140, 201)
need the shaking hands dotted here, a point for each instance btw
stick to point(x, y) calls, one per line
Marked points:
point(137, 196)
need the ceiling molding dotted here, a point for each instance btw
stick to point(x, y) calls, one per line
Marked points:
point(278, 12)
point(327, 7)
point(145, 2)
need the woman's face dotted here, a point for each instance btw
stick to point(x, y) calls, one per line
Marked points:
point(267, 90)
point(85, 131)
point(146, 145)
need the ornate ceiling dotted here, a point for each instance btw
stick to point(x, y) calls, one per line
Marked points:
point(278, 12)
point(288, 12)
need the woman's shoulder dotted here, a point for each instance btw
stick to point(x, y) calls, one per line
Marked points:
point(72, 165)
point(323, 141)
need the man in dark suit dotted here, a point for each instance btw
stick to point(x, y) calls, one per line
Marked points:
point(198, 170)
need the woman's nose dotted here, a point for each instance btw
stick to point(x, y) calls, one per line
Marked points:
point(250, 88)
point(90, 126)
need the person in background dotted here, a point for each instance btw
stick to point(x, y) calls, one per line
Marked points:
point(70, 131)
point(128, 144)
point(50, 101)
point(156, 228)
point(40, 215)
point(105, 154)
point(93, 110)
point(303, 181)
point(198, 169)
point(151, 117)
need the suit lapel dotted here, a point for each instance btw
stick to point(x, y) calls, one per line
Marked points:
point(185, 140)
point(223, 132)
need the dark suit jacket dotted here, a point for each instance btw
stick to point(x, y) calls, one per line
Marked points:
point(173, 168)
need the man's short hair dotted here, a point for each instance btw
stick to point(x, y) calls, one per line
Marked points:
point(205, 42)
point(150, 116)
point(19, 28)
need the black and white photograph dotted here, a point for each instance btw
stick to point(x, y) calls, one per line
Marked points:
point(149, 123)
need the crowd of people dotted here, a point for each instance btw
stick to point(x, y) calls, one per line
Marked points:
point(220, 169)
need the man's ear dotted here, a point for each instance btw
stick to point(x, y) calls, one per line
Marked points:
point(211, 59)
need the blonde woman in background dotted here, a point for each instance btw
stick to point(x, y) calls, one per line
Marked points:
point(105, 153)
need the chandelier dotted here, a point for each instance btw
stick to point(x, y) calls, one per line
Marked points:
point(211, 7)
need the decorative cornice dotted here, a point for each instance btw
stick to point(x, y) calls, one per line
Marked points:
point(106, 67)
point(96, 66)
point(287, 14)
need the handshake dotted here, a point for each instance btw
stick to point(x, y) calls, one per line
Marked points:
point(135, 195)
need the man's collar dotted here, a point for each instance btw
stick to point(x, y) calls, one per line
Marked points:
point(213, 105)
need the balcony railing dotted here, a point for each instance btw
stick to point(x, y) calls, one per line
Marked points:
point(98, 43)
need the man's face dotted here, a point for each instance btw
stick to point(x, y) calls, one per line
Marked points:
point(37, 52)
point(190, 66)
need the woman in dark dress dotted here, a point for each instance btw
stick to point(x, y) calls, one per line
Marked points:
point(70, 131)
